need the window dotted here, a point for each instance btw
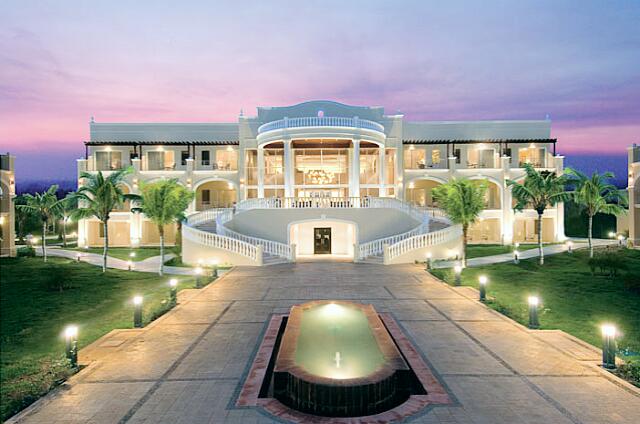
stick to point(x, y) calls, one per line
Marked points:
point(108, 161)
point(251, 167)
point(414, 158)
point(369, 166)
point(456, 153)
point(184, 155)
point(390, 166)
point(273, 166)
point(227, 159)
point(435, 156)
point(531, 155)
point(206, 196)
point(205, 158)
point(160, 161)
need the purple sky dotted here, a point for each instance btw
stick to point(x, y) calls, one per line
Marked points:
point(161, 61)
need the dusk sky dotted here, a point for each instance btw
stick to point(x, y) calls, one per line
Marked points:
point(62, 62)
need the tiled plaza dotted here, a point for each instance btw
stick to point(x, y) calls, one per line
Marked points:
point(188, 366)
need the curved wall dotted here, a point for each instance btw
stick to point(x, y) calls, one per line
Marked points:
point(273, 224)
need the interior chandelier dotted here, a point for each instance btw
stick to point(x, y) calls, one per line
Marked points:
point(319, 176)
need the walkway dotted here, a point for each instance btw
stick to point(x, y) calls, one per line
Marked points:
point(188, 366)
point(552, 249)
point(147, 265)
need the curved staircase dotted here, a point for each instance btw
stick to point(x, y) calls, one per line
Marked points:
point(206, 235)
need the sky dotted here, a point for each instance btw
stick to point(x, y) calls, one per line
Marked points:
point(63, 61)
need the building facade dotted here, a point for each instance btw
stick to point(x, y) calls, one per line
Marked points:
point(325, 150)
point(633, 216)
point(7, 207)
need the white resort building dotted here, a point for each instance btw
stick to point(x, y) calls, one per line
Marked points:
point(323, 178)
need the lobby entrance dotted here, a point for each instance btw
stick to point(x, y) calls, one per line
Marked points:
point(322, 241)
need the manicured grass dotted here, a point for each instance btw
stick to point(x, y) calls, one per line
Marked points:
point(142, 253)
point(479, 250)
point(572, 298)
point(34, 316)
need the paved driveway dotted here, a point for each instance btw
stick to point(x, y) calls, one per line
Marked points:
point(188, 366)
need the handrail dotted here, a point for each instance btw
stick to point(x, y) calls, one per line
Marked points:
point(304, 203)
point(376, 247)
point(204, 216)
point(271, 247)
point(209, 239)
point(423, 240)
point(317, 121)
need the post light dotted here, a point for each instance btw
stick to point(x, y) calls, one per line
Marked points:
point(609, 346)
point(612, 234)
point(71, 344)
point(570, 246)
point(198, 272)
point(137, 311)
point(132, 255)
point(129, 264)
point(483, 280)
point(173, 291)
point(533, 312)
point(620, 239)
point(428, 263)
point(78, 256)
point(517, 245)
point(214, 268)
point(458, 271)
point(516, 257)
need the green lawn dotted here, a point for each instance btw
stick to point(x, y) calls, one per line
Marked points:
point(34, 316)
point(479, 250)
point(572, 298)
point(142, 253)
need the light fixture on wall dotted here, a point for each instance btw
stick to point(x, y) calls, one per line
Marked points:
point(319, 176)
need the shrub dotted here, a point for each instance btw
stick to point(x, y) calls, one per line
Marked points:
point(608, 262)
point(630, 371)
point(56, 277)
point(26, 252)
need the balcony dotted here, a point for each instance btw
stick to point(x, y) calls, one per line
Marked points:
point(317, 121)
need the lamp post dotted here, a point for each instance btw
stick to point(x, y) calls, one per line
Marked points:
point(570, 246)
point(71, 344)
point(620, 240)
point(137, 311)
point(78, 256)
point(516, 257)
point(428, 263)
point(129, 264)
point(482, 280)
point(198, 272)
point(457, 271)
point(533, 312)
point(173, 291)
point(214, 268)
point(609, 346)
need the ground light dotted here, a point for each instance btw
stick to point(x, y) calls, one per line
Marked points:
point(198, 272)
point(428, 263)
point(173, 291)
point(609, 346)
point(78, 256)
point(71, 344)
point(457, 271)
point(137, 311)
point(483, 280)
point(570, 246)
point(132, 255)
point(533, 312)
point(516, 257)
point(214, 268)
point(129, 264)
point(620, 239)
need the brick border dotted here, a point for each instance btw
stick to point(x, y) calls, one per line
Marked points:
point(250, 391)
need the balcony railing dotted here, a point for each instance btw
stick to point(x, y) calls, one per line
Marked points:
point(316, 121)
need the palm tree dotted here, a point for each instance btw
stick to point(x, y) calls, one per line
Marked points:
point(44, 205)
point(98, 197)
point(462, 201)
point(164, 203)
point(596, 195)
point(68, 206)
point(539, 190)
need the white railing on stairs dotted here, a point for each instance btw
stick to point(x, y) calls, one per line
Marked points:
point(376, 247)
point(423, 240)
point(210, 239)
point(269, 246)
point(205, 216)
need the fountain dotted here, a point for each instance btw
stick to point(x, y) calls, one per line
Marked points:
point(337, 359)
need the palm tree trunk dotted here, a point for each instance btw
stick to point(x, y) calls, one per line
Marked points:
point(540, 250)
point(64, 233)
point(44, 240)
point(106, 246)
point(464, 245)
point(161, 231)
point(590, 236)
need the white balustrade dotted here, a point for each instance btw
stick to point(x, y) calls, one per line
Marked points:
point(204, 216)
point(217, 241)
point(376, 247)
point(324, 121)
point(424, 240)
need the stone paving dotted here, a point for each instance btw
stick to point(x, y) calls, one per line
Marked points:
point(189, 365)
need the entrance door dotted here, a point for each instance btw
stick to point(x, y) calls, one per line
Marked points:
point(321, 241)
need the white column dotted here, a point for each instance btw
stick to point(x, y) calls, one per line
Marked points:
point(381, 171)
point(288, 169)
point(560, 236)
point(507, 211)
point(261, 172)
point(355, 170)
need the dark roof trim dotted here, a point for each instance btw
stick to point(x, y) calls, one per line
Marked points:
point(164, 143)
point(488, 140)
